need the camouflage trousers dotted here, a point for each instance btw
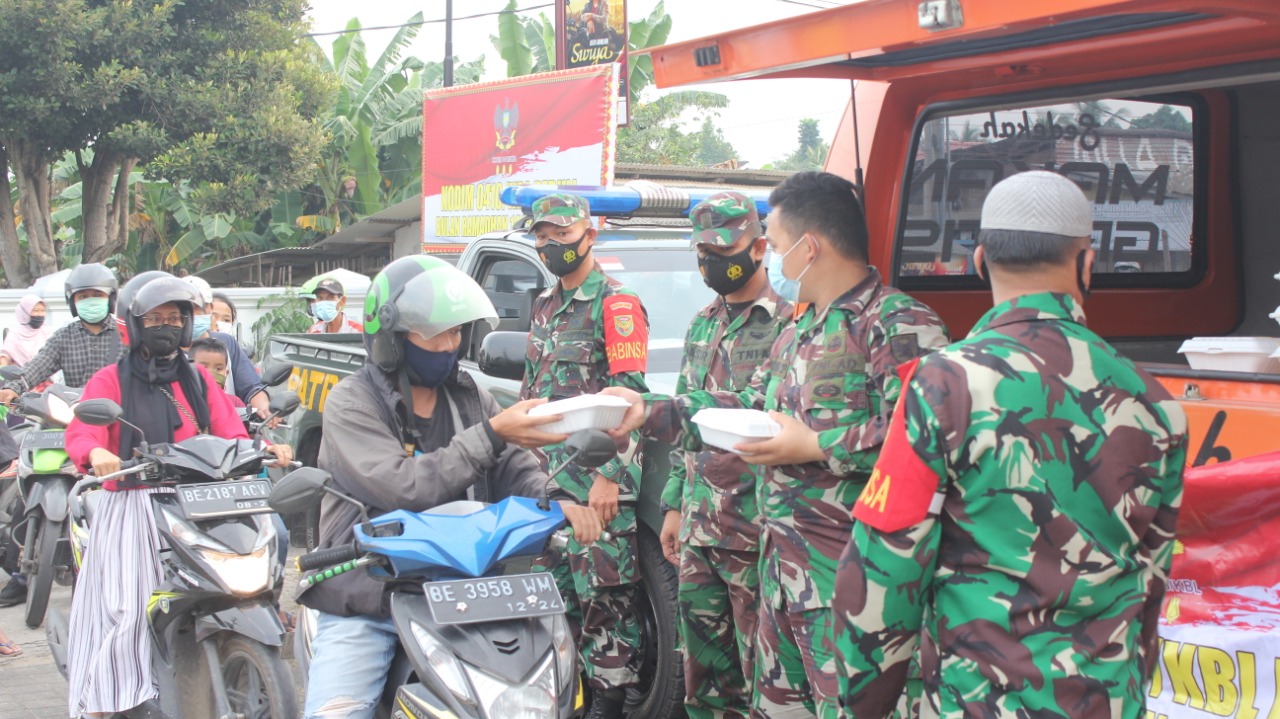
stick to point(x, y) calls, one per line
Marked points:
point(719, 601)
point(598, 584)
point(795, 674)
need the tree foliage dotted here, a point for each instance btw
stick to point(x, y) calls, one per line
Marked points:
point(218, 93)
point(657, 132)
point(1165, 117)
point(811, 151)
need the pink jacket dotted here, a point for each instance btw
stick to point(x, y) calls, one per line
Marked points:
point(83, 438)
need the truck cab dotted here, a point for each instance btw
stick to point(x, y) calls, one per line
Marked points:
point(1162, 111)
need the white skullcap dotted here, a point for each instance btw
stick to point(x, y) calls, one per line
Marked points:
point(202, 288)
point(1038, 201)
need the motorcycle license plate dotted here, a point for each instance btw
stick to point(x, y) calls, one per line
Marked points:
point(47, 439)
point(222, 499)
point(513, 596)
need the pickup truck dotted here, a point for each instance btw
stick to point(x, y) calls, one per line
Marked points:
point(657, 264)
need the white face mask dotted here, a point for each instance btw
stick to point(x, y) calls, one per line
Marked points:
point(230, 328)
point(787, 288)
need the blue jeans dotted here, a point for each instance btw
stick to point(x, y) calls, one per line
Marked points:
point(349, 667)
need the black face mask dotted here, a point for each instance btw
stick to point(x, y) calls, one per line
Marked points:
point(1080, 275)
point(727, 274)
point(562, 259)
point(161, 341)
point(36, 322)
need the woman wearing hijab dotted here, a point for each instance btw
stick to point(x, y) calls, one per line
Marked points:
point(29, 336)
point(169, 399)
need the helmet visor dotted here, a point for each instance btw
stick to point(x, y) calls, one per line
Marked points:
point(441, 299)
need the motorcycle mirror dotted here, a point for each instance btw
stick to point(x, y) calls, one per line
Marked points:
point(502, 354)
point(277, 374)
point(592, 446)
point(299, 490)
point(284, 403)
point(10, 372)
point(98, 412)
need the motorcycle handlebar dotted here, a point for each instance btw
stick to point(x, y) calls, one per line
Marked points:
point(323, 558)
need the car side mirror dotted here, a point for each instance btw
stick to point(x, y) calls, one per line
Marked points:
point(99, 412)
point(277, 374)
point(299, 490)
point(594, 448)
point(284, 403)
point(502, 354)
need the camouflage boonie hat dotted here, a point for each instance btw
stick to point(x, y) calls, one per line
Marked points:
point(561, 209)
point(723, 218)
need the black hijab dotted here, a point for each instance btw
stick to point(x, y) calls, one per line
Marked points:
point(145, 405)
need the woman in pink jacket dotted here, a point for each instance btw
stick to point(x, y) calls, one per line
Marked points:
point(169, 399)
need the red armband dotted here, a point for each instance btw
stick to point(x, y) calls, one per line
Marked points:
point(626, 334)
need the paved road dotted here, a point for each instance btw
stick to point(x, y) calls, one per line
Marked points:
point(30, 685)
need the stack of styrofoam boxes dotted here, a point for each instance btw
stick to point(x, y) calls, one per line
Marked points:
point(1234, 354)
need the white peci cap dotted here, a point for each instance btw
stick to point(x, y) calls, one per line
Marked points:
point(1038, 201)
point(202, 288)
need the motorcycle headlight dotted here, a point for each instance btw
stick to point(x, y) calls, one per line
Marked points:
point(244, 574)
point(443, 663)
point(565, 650)
point(500, 700)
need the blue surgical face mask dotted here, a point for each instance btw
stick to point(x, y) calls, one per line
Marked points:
point(93, 309)
point(788, 289)
point(200, 324)
point(428, 368)
point(325, 310)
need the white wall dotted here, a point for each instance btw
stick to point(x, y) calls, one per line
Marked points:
point(408, 241)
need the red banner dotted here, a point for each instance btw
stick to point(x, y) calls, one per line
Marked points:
point(550, 128)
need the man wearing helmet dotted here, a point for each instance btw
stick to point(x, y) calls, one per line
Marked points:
point(589, 332)
point(408, 430)
point(78, 348)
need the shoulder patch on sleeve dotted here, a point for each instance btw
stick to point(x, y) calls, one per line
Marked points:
point(626, 334)
point(901, 490)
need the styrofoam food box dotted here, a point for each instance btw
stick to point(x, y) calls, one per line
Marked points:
point(1275, 315)
point(586, 411)
point(1233, 354)
point(723, 428)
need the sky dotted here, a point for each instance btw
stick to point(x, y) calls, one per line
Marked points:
point(763, 116)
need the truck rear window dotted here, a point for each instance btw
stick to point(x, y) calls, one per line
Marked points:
point(1135, 159)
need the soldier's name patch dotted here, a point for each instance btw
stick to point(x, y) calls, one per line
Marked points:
point(835, 366)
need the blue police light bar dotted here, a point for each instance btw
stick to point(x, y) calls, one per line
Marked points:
point(648, 200)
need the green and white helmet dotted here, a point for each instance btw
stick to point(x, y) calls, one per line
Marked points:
point(419, 294)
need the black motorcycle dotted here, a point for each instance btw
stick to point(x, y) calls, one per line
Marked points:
point(214, 625)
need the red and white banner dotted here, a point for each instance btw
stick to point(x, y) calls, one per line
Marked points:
point(554, 128)
point(1220, 628)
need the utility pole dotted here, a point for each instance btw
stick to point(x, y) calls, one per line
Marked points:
point(448, 43)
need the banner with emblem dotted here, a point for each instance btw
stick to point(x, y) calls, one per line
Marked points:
point(554, 128)
point(1220, 624)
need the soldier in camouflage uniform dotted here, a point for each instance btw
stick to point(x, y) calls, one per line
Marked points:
point(589, 332)
point(712, 527)
point(1022, 511)
point(830, 383)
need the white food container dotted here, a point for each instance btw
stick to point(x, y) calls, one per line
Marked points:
point(1275, 315)
point(723, 428)
point(1233, 354)
point(587, 411)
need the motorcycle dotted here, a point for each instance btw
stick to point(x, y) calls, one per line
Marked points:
point(480, 636)
point(10, 493)
point(45, 477)
point(214, 627)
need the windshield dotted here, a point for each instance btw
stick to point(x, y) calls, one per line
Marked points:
point(671, 289)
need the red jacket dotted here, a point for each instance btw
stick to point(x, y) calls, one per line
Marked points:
point(83, 438)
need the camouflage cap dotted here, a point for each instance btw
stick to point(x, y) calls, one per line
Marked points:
point(723, 218)
point(561, 208)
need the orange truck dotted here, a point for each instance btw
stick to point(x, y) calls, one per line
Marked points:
point(1166, 112)
point(1167, 115)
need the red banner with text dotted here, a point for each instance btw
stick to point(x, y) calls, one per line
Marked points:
point(1220, 628)
point(554, 128)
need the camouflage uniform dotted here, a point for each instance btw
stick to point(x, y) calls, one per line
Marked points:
point(716, 492)
point(1021, 514)
point(834, 371)
point(582, 341)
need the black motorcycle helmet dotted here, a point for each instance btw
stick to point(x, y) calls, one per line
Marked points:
point(162, 289)
point(126, 298)
point(92, 276)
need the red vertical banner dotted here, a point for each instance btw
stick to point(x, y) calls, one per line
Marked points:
point(594, 32)
point(554, 128)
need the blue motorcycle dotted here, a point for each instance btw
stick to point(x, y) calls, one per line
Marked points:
point(480, 635)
